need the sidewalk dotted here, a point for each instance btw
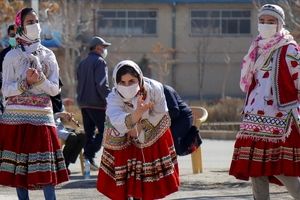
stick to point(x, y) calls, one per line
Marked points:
point(213, 184)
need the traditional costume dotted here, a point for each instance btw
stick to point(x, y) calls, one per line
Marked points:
point(268, 143)
point(30, 154)
point(146, 167)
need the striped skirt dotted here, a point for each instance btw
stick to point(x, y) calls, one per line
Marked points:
point(30, 156)
point(148, 173)
point(255, 158)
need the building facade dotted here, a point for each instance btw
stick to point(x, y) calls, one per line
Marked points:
point(195, 46)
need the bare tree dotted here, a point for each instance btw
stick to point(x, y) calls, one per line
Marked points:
point(9, 9)
point(73, 18)
point(202, 56)
point(161, 61)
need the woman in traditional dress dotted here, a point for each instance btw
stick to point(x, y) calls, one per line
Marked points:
point(267, 148)
point(30, 154)
point(139, 158)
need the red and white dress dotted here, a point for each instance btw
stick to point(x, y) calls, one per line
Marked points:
point(146, 168)
point(268, 142)
point(30, 154)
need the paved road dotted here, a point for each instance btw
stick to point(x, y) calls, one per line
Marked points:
point(213, 184)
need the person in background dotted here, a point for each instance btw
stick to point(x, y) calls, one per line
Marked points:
point(186, 136)
point(92, 90)
point(139, 159)
point(12, 44)
point(30, 156)
point(267, 146)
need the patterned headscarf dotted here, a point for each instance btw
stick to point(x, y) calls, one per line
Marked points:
point(20, 35)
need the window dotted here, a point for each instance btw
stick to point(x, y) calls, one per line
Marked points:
point(127, 22)
point(220, 22)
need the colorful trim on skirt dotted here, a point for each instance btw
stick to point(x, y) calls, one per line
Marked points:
point(254, 158)
point(147, 173)
point(30, 156)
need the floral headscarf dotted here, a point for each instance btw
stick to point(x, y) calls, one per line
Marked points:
point(20, 35)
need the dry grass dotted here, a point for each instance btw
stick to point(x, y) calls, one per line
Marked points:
point(224, 110)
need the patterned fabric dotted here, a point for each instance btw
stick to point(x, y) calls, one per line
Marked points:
point(139, 170)
point(31, 163)
point(252, 158)
point(147, 173)
point(23, 86)
point(26, 99)
point(18, 110)
point(265, 127)
point(259, 51)
point(30, 156)
point(263, 117)
point(268, 141)
point(116, 141)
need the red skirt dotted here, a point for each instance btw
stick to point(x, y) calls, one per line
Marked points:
point(30, 156)
point(148, 173)
point(253, 158)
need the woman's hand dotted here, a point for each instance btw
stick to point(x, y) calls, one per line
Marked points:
point(141, 108)
point(32, 76)
point(135, 132)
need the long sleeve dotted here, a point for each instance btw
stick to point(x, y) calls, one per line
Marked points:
point(101, 78)
point(116, 113)
point(172, 103)
point(50, 83)
point(12, 83)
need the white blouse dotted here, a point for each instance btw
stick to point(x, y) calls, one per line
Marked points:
point(117, 110)
point(24, 103)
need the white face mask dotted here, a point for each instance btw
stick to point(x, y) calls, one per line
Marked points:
point(266, 31)
point(128, 92)
point(104, 53)
point(33, 31)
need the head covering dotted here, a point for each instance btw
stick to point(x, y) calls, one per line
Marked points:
point(127, 63)
point(98, 41)
point(20, 35)
point(18, 19)
point(273, 10)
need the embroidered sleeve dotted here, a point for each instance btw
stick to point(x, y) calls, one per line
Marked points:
point(293, 62)
point(128, 122)
point(23, 86)
point(42, 78)
point(50, 84)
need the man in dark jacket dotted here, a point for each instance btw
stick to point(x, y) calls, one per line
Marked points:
point(92, 90)
point(186, 137)
point(12, 43)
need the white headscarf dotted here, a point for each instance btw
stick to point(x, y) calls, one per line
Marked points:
point(127, 63)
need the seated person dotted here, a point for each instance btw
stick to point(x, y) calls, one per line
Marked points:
point(73, 142)
point(186, 136)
